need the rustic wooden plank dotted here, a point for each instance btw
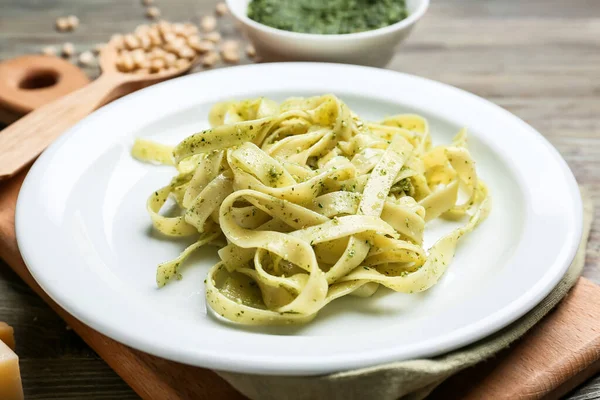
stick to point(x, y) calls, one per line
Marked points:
point(55, 362)
point(539, 59)
point(589, 391)
point(151, 377)
point(72, 378)
point(532, 367)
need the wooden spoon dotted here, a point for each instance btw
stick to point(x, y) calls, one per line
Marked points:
point(24, 140)
point(31, 81)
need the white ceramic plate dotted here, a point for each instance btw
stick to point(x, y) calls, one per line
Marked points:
point(85, 236)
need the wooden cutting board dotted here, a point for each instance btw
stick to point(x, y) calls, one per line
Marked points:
point(151, 377)
point(555, 356)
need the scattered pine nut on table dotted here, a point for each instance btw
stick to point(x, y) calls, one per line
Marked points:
point(68, 49)
point(221, 9)
point(73, 22)
point(62, 24)
point(250, 50)
point(153, 12)
point(214, 37)
point(86, 58)
point(49, 51)
point(208, 23)
point(210, 59)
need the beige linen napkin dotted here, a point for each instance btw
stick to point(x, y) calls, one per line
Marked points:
point(413, 379)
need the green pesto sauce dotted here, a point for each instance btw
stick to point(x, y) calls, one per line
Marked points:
point(327, 16)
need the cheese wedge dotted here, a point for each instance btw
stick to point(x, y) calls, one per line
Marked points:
point(7, 335)
point(11, 387)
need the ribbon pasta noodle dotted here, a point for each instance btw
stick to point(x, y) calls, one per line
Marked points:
point(313, 203)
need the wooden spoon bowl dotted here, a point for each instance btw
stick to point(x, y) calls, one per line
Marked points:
point(24, 140)
point(28, 82)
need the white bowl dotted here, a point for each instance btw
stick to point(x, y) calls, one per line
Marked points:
point(373, 48)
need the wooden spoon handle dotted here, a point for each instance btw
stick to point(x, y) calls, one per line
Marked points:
point(24, 140)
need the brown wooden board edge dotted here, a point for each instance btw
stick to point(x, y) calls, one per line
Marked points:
point(557, 354)
point(152, 377)
point(149, 376)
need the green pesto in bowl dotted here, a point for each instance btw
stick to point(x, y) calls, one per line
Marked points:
point(327, 17)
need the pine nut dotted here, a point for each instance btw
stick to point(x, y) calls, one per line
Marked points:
point(231, 56)
point(221, 9)
point(169, 37)
point(141, 29)
point(157, 53)
point(73, 22)
point(193, 39)
point(145, 42)
point(49, 51)
point(179, 29)
point(68, 49)
point(182, 64)
point(62, 25)
point(86, 58)
point(190, 29)
point(155, 39)
point(152, 12)
point(164, 27)
point(170, 59)
point(157, 65)
point(210, 59)
point(250, 51)
point(131, 42)
point(232, 45)
point(186, 52)
point(117, 41)
point(202, 46)
point(208, 23)
point(214, 37)
point(127, 63)
point(139, 58)
point(98, 48)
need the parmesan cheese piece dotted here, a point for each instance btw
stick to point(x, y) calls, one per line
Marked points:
point(11, 387)
point(7, 335)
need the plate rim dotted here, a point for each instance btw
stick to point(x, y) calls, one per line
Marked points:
point(269, 365)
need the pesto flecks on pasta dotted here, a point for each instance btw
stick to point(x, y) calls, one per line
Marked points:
point(310, 203)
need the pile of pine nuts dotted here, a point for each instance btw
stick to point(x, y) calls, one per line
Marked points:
point(162, 46)
point(159, 47)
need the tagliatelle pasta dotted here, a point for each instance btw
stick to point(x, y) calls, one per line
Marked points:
point(313, 203)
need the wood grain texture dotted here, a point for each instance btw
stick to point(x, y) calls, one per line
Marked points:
point(26, 138)
point(539, 59)
point(150, 377)
point(535, 367)
point(533, 361)
point(52, 77)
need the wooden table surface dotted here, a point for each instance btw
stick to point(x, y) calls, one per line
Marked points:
point(539, 59)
